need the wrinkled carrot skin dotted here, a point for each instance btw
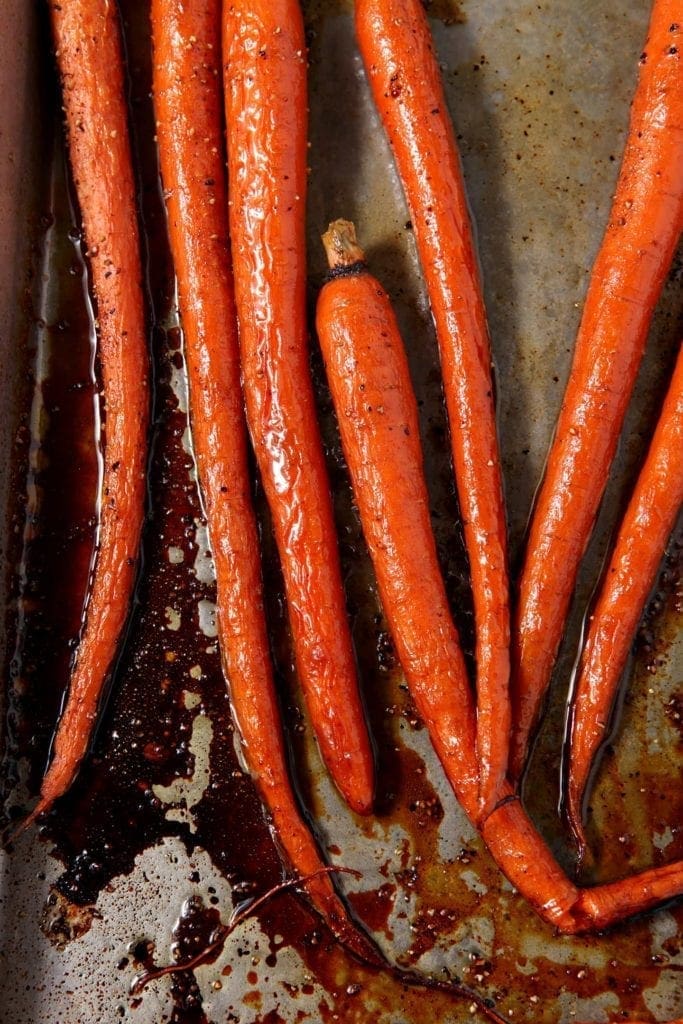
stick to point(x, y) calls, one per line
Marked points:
point(87, 39)
point(188, 98)
point(372, 393)
point(378, 420)
point(645, 224)
point(395, 40)
point(642, 537)
point(266, 112)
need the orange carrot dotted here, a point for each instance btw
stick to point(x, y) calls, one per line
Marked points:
point(370, 383)
point(371, 389)
point(265, 96)
point(644, 227)
point(87, 40)
point(645, 529)
point(187, 95)
point(403, 72)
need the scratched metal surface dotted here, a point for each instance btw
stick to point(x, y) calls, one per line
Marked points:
point(539, 94)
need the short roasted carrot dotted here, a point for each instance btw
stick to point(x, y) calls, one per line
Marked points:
point(87, 39)
point(266, 114)
point(637, 554)
point(371, 389)
point(397, 50)
point(370, 384)
point(644, 227)
point(187, 99)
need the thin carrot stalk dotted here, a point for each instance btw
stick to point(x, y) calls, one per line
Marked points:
point(637, 554)
point(88, 49)
point(222, 933)
point(266, 114)
point(187, 98)
point(399, 58)
point(376, 409)
point(644, 227)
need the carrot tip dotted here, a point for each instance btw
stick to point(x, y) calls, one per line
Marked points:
point(578, 832)
point(341, 245)
point(9, 838)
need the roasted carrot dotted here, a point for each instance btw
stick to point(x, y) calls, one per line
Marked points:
point(395, 40)
point(187, 98)
point(368, 373)
point(87, 39)
point(644, 531)
point(371, 389)
point(266, 114)
point(644, 227)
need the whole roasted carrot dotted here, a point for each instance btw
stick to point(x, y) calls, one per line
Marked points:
point(371, 389)
point(645, 528)
point(87, 39)
point(644, 227)
point(403, 72)
point(266, 113)
point(187, 100)
point(368, 374)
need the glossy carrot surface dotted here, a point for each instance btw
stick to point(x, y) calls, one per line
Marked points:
point(266, 113)
point(372, 393)
point(368, 374)
point(87, 39)
point(402, 69)
point(631, 573)
point(645, 224)
point(188, 99)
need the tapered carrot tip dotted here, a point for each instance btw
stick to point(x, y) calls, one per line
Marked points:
point(341, 246)
point(11, 836)
point(575, 822)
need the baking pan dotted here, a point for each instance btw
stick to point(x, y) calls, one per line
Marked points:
point(163, 835)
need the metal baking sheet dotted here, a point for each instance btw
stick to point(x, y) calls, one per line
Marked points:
point(152, 839)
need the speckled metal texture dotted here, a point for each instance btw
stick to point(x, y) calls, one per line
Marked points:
point(539, 94)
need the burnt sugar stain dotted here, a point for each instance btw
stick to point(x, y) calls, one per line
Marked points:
point(450, 12)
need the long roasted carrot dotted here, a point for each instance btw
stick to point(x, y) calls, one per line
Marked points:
point(371, 389)
point(403, 72)
point(187, 98)
point(644, 227)
point(266, 113)
point(87, 39)
point(637, 554)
